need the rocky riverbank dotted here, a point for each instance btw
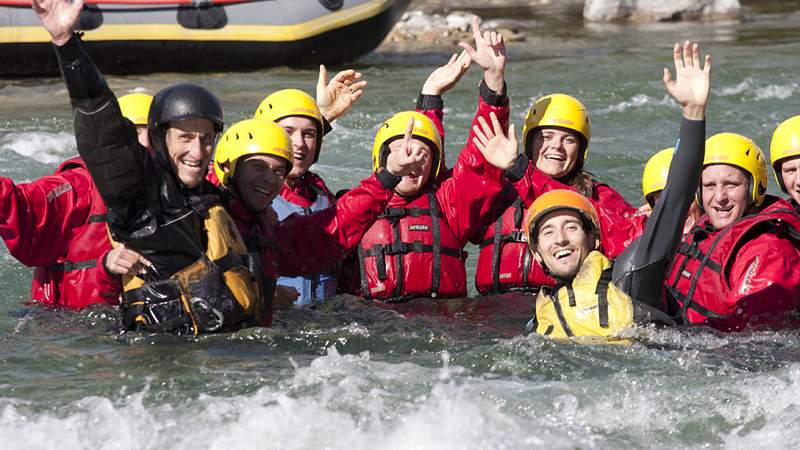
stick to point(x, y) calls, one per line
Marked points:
point(435, 23)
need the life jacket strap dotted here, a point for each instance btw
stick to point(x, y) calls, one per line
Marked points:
point(602, 297)
point(399, 213)
point(402, 248)
point(71, 266)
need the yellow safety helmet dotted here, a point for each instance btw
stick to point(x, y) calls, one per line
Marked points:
point(135, 107)
point(654, 176)
point(288, 103)
point(250, 137)
point(785, 144)
point(557, 110)
point(738, 151)
point(555, 200)
point(395, 128)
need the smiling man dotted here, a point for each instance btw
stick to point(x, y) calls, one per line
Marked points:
point(738, 265)
point(193, 275)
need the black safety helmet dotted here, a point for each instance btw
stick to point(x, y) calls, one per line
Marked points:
point(180, 102)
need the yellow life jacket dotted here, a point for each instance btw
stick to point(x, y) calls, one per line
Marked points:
point(219, 291)
point(589, 305)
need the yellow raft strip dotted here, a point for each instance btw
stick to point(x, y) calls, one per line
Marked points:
point(175, 32)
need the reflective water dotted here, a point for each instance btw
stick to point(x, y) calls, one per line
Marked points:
point(347, 376)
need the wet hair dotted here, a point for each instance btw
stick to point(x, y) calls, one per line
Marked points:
point(582, 181)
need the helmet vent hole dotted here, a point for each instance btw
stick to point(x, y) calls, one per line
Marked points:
point(237, 136)
point(251, 135)
point(747, 152)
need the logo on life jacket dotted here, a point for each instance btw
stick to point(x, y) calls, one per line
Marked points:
point(418, 227)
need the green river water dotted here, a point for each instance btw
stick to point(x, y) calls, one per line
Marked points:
point(344, 376)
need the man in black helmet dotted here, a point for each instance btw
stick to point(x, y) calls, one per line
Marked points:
point(192, 266)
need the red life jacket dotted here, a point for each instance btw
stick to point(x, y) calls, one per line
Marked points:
point(505, 262)
point(697, 284)
point(411, 252)
point(74, 279)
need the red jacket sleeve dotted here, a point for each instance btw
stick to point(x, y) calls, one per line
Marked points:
point(36, 217)
point(469, 195)
point(619, 225)
point(764, 282)
point(432, 106)
point(310, 243)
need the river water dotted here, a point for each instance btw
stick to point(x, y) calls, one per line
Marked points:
point(345, 376)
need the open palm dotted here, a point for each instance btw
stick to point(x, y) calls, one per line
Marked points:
point(692, 82)
point(58, 17)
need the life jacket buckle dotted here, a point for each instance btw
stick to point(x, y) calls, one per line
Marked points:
point(518, 236)
point(208, 318)
point(395, 248)
point(393, 213)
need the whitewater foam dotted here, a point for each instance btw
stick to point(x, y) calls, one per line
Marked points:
point(45, 147)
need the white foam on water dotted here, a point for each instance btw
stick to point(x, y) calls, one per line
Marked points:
point(333, 404)
point(743, 86)
point(750, 89)
point(354, 402)
point(636, 102)
point(781, 92)
point(774, 401)
point(45, 147)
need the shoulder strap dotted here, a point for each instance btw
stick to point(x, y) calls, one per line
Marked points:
point(437, 244)
point(602, 297)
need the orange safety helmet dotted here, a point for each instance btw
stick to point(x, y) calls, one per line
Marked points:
point(556, 200)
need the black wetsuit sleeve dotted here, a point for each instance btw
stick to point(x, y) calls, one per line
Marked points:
point(641, 268)
point(105, 139)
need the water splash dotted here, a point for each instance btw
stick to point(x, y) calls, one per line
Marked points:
point(45, 147)
point(749, 88)
point(636, 102)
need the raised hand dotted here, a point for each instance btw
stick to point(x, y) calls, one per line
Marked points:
point(489, 53)
point(692, 83)
point(497, 147)
point(443, 78)
point(58, 17)
point(123, 261)
point(336, 96)
point(406, 158)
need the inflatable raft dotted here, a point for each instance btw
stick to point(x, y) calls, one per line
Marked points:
point(140, 36)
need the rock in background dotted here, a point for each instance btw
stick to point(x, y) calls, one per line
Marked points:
point(660, 10)
point(437, 29)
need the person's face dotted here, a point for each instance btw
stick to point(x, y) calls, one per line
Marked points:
point(258, 179)
point(302, 132)
point(189, 144)
point(413, 182)
point(556, 151)
point(725, 192)
point(562, 243)
point(790, 174)
point(141, 134)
